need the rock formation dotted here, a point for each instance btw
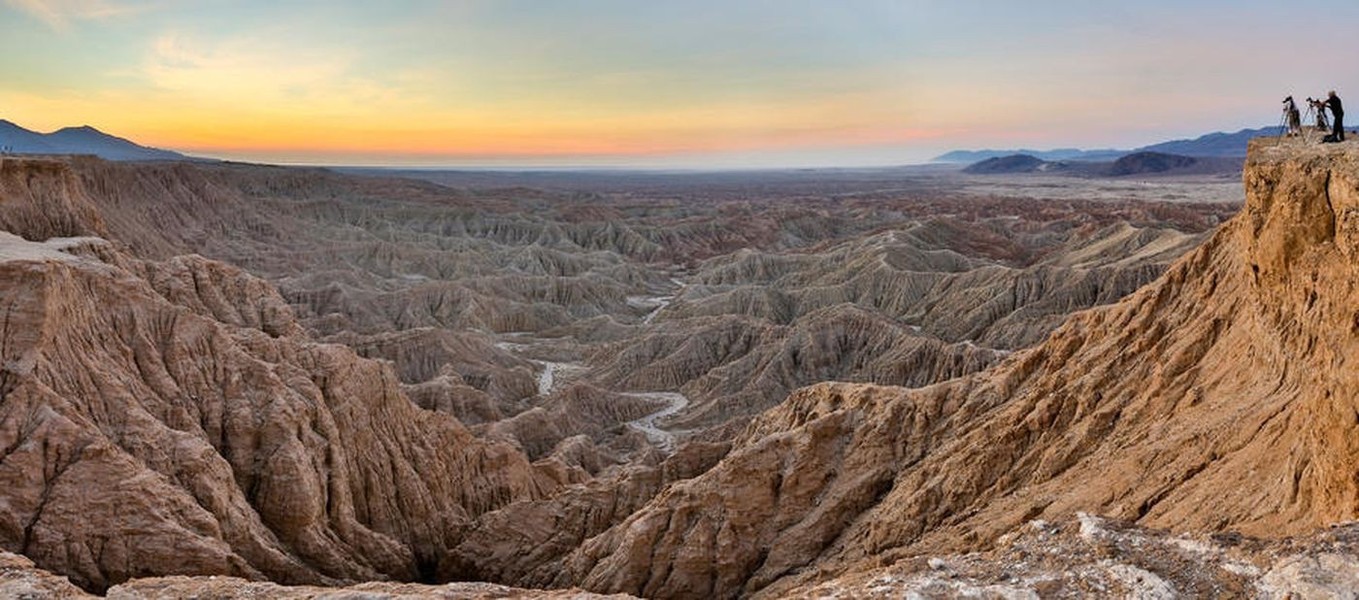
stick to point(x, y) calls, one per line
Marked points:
point(1014, 163)
point(1088, 556)
point(436, 279)
point(889, 309)
point(527, 541)
point(20, 578)
point(173, 418)
point(1214, 400)
point(1140, 163)
point(302, 420)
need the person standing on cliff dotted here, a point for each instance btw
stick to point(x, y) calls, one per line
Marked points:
point(1337, 117)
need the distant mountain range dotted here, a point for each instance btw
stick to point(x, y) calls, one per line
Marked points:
point(1014, 163)
point(78, 140)
point(1212, 145)
point(973, 156)
point(88, 140)
point(1142, 162)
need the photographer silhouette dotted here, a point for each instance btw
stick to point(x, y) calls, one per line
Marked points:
point(1337, 118)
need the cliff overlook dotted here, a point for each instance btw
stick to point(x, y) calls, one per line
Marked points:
point(1219, 398)
point(165, 413)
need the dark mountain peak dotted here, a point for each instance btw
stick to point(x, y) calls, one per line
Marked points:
point(82, 139)
point(1015, 163)
point(1216, 144)
point(972, 156)
point(1213, 144)
point(1139, 163)
point(83, 131)
point(80, 128)
point(10, 128)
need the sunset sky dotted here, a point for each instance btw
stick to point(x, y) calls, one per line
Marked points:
point(686, 83)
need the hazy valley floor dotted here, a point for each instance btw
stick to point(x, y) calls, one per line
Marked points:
point(317, 378)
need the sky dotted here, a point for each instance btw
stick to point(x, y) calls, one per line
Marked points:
point(683, 83)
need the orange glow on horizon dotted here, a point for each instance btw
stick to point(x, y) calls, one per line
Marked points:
point(407, 132)
point(541, 147)
point(871, 81)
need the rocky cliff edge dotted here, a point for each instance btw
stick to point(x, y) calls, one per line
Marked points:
point(1222, 397)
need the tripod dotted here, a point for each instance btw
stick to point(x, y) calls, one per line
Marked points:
point(1289, 124)
point(1322, 124)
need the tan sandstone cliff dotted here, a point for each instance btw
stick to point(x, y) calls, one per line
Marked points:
point(1221, 397)
point(173, 418)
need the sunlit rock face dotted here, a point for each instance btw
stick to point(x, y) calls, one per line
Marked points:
point(309, 378)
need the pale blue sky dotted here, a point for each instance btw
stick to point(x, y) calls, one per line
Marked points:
point(721, 83)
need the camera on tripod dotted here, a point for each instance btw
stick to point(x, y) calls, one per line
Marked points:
point(1315, 117)
point(1316, 112)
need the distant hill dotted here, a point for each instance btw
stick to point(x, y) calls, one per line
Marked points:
point(1017, 163)
point(1139, 163)
point(1136, 163)
point(973, 156)
point(1214, 144)
point(78, 140)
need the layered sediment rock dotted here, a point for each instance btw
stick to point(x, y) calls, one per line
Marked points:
point(577, 410)
point(1088, 556)
point(20, 578)
point(173, 418)
point(879, 310)
point(1215, 399)
point(168, 413)
point(527, 542)
point(426, 275)
point(736, 367)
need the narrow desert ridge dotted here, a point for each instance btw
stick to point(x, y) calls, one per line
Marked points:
point(783, 291)
point(1218, 398)
point(20, 578)
point(173, 417)
point(224, 439)
point(1087, 556)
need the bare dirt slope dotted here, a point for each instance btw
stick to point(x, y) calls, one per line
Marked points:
point(20, 578)
point(730, 289)
point(167, 413)
point(1218, 398)
point(173, 417)
point(1088, 556)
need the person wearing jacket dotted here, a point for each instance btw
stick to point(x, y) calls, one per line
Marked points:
point(1337, 117)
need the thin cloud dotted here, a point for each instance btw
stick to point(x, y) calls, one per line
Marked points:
point(59, 14)
point(257, 71)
